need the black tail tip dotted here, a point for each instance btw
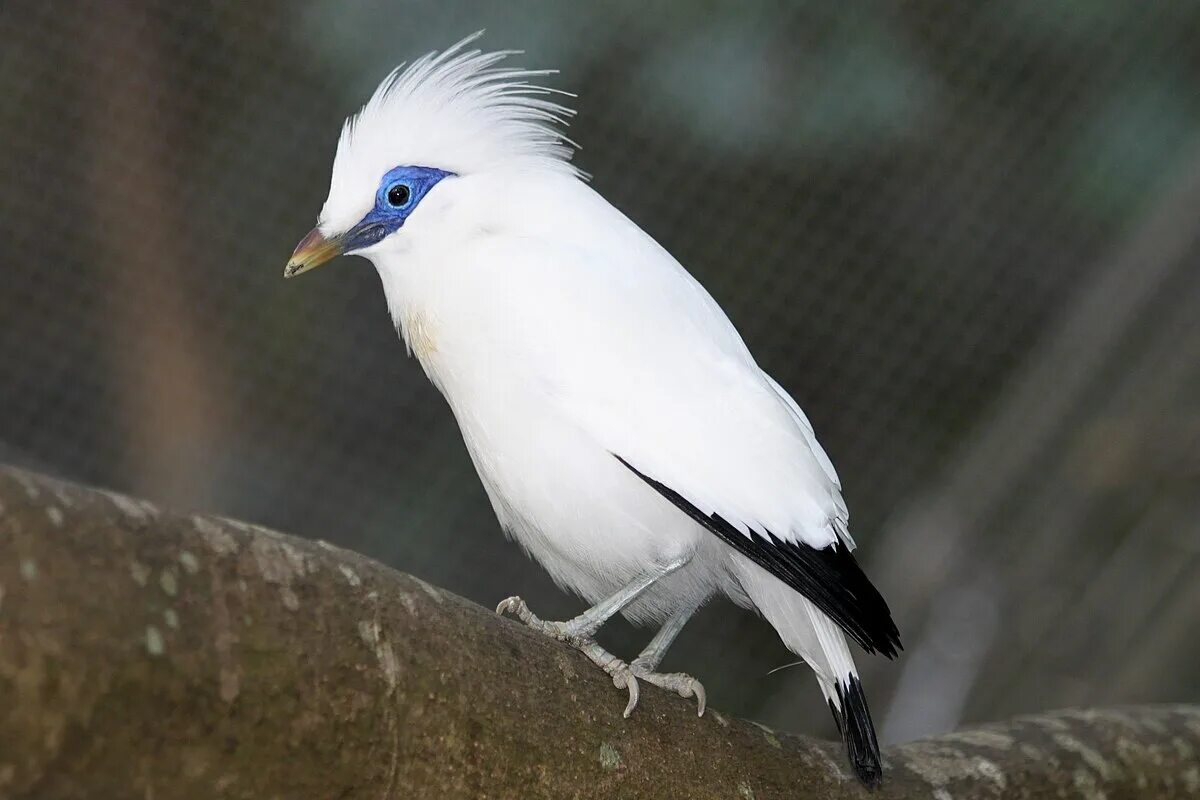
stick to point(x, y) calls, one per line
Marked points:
point(854, 723)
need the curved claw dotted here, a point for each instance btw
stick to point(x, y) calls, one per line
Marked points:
point(513, 604)
point(701, 697)
point(507, 604)
point(625, 679)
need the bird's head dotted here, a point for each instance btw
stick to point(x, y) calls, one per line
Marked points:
point(414, 148)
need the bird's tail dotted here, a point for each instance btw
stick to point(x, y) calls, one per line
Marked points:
point(809, 633)
point(853, 718)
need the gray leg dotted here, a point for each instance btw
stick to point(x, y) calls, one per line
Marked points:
point(652, 656)
point(644, 665)
point(579, 632)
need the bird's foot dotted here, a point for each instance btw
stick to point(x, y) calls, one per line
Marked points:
point(684, 685)
point(566, 632)
point(578, 634)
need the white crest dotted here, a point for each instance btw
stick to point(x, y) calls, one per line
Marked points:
point(457, 110)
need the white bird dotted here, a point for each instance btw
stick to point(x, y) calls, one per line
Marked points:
point(623, 432)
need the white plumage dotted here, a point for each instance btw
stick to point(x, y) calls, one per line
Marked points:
point(619, 424)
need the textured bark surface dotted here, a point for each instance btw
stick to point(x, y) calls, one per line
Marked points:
point(155, 655)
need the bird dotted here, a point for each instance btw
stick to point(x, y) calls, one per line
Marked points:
point(622, 430)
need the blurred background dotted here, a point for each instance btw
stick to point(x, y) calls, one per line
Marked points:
point(963, 235)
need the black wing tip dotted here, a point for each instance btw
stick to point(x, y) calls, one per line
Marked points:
point(829, 577)
point(858, 732)
point(873, 628)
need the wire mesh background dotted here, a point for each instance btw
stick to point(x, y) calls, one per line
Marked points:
point(961, 234)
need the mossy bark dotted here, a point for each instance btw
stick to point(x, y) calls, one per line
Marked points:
point(149, 654)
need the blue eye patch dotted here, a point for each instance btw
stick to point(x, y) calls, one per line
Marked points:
point(399, 192)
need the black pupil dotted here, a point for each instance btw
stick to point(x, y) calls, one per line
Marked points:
point(398, 194)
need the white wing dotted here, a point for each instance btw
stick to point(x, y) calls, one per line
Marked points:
point(639, 355)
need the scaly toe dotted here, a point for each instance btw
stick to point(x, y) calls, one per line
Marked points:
point(683, 685)
point(517, 608)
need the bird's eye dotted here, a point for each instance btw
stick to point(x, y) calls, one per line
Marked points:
point(398, 195)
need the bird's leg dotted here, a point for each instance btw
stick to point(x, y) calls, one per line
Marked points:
point(580, 631)
point(647, 662)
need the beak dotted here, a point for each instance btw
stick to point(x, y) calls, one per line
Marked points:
point(313, 251)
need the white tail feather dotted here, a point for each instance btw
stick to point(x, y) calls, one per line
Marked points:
point(804, 629)
point(809, 633)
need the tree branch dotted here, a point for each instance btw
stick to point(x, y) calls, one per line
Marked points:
point(150, 654)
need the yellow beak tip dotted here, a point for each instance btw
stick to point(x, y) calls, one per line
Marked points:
point(313, 251)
